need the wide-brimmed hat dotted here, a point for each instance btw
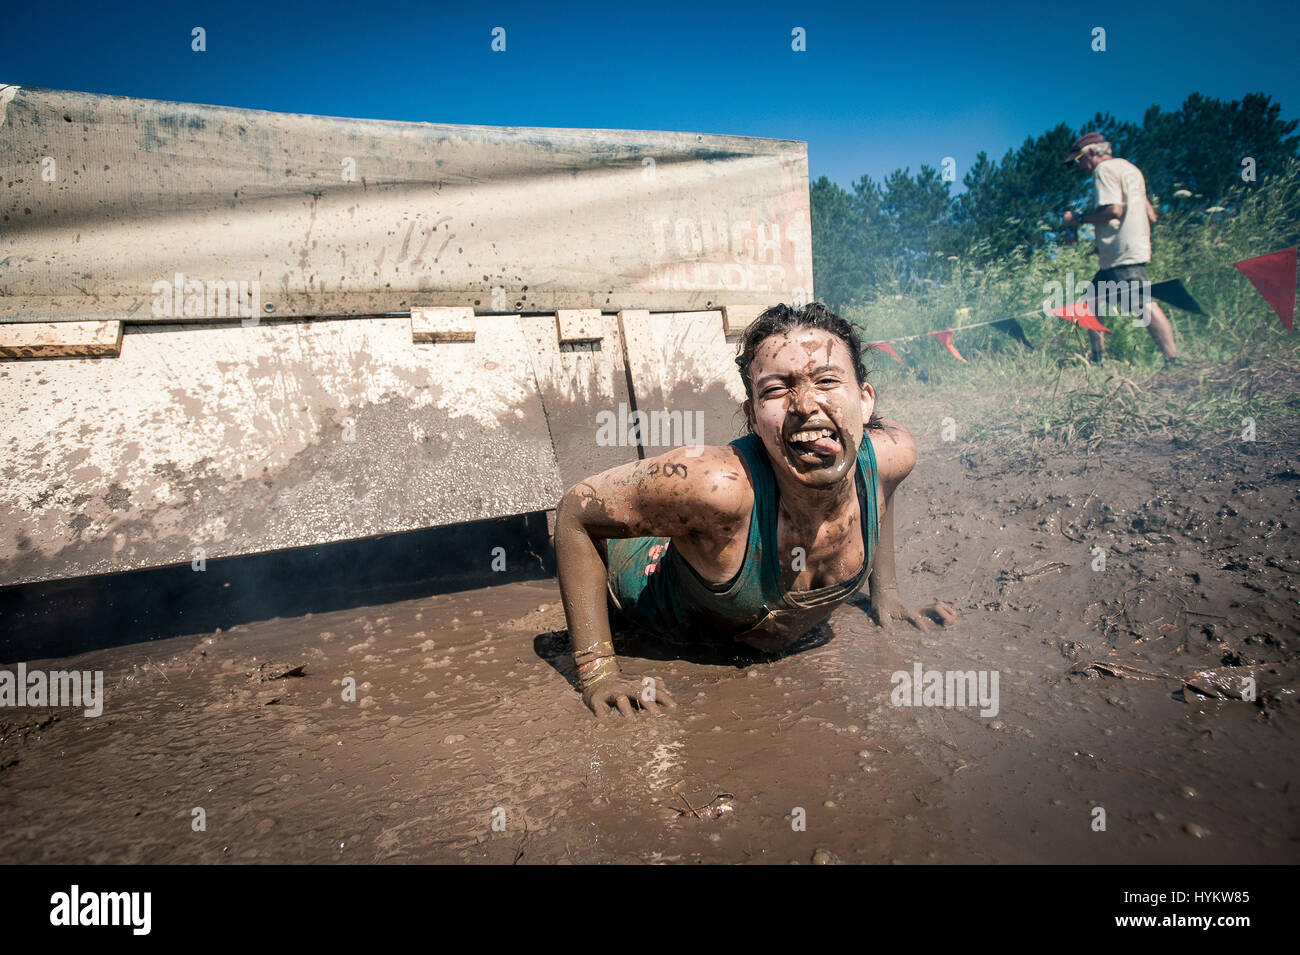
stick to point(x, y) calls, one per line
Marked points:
point(1082, 143)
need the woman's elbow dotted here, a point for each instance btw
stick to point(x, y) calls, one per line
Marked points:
point(568, 511)
point(571, 513)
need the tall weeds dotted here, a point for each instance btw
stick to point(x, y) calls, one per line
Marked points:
point(1059, 395)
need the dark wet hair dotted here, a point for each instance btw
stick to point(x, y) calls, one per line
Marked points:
point(782, 318)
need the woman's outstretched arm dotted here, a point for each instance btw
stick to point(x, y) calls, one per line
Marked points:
point(895, 457)
point(676, 495)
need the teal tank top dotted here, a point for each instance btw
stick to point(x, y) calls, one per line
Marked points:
point(654, 587)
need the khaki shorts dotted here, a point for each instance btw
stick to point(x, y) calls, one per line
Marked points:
point(1126, 289)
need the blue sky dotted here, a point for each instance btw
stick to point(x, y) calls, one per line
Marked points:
point(880, 86)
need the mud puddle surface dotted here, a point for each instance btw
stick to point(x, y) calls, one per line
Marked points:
point(467, 742)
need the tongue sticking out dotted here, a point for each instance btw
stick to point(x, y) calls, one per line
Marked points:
point(818, 442)
point(825, 446)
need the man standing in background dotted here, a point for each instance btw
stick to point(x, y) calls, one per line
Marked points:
point(1123, 218)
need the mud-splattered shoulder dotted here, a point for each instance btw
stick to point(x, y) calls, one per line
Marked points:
point(711, 480)
point(895, 452)
point(757, 470)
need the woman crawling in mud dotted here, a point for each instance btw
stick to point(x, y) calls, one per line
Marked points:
point(755, 542)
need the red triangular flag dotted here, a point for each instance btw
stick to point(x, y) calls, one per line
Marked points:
point(887, 349)
point(945, 337)
point(1081, 315)
point(1273, 276)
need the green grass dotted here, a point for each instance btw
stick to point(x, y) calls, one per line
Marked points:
point(1239, 362)
point(1023, 411)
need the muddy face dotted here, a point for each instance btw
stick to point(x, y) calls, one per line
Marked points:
point(807, 407)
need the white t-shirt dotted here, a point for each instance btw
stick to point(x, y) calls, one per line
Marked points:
point(1124, 241)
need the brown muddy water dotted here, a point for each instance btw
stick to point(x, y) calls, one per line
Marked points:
point(467, 741)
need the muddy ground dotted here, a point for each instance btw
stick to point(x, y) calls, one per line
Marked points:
point(465, 713)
